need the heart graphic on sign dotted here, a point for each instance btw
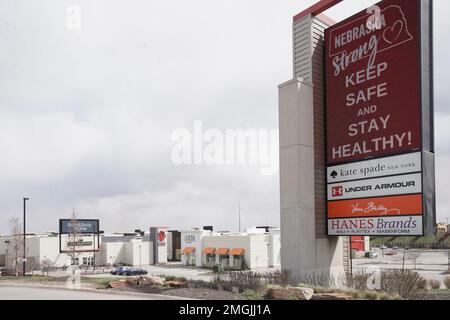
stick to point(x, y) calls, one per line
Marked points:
point(391, 34)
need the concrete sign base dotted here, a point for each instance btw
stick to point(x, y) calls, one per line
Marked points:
point(306, 249)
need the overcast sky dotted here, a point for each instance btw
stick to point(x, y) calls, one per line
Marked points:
point(87, 115)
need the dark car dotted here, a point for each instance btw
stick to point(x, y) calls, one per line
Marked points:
point(119, 271)
point(134, 272)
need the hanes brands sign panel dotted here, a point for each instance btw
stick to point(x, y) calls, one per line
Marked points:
point(373, 83)
point(407, 225)
point(374, 118)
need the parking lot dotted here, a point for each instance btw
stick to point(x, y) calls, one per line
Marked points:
point(431, 264)
point(171, 269)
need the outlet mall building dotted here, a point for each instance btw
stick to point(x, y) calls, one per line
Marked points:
point(257, 248)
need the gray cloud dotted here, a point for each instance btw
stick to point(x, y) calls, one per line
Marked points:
point(86, 115)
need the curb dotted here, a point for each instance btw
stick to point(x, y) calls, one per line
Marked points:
point(102, 291)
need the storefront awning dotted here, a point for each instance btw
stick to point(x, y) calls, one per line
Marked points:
point(222, 251)
point(189, 250)
point(209, 250)
point(237, 251)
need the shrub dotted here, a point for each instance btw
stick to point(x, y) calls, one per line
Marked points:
point(286, 278)
point(318, 279)
point(252, 295)
point(406, 284)
point(434, 284)
point(173, 278)
point(281, 278)
point(241, 280)
point(198, 284)
point(358, 280)
point(447, 282)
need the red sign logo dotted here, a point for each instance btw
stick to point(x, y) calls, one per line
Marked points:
point(337, 191)
point(161, 236)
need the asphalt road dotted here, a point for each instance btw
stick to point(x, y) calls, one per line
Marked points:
point(430, 264)
point(35, 293)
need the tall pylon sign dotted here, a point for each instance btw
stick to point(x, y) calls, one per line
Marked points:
point(356, 132)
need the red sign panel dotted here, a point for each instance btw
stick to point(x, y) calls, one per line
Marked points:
point(373, 83)
point(376, 207)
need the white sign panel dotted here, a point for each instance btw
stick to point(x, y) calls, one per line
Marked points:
point(396, 165)
point(396, 185)
point(382, 226)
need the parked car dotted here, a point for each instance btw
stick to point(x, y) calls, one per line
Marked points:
point(9, 273)
point(391, 253)
point(134, 272)
point(119, 271)
point(383, 247)
point(371, 254)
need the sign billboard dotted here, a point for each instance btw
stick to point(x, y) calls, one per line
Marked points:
point(374, 83)
point(379, 121)
point(81, 226)
point(161, 237)
point(380, 167)
point(158, 236)
point(377, 187)
point(76, 233)
point(385, 226)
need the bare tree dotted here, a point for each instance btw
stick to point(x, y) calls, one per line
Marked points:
point(46, 266)
point(15, 245)
point(414, 255)
point(447, 254)
point(73, 239)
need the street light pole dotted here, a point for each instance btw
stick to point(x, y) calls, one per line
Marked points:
point(140, 261)
point(24, 234)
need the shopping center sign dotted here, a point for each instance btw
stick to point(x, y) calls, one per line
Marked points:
point(380, 161)
point(75, 231)
point(78, 226)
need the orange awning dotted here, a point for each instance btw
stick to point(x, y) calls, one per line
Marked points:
point(223, 251)
point(209, 250)
point(237, 251)
point(188, 250)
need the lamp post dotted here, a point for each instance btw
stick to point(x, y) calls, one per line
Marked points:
point(140, 260)
point(7, 242)
point(24, 234)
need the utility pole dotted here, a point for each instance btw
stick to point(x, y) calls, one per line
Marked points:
point(94, 252)
point(24, 234)
point(351, 255)
point(140, 260)
point(403, 262)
